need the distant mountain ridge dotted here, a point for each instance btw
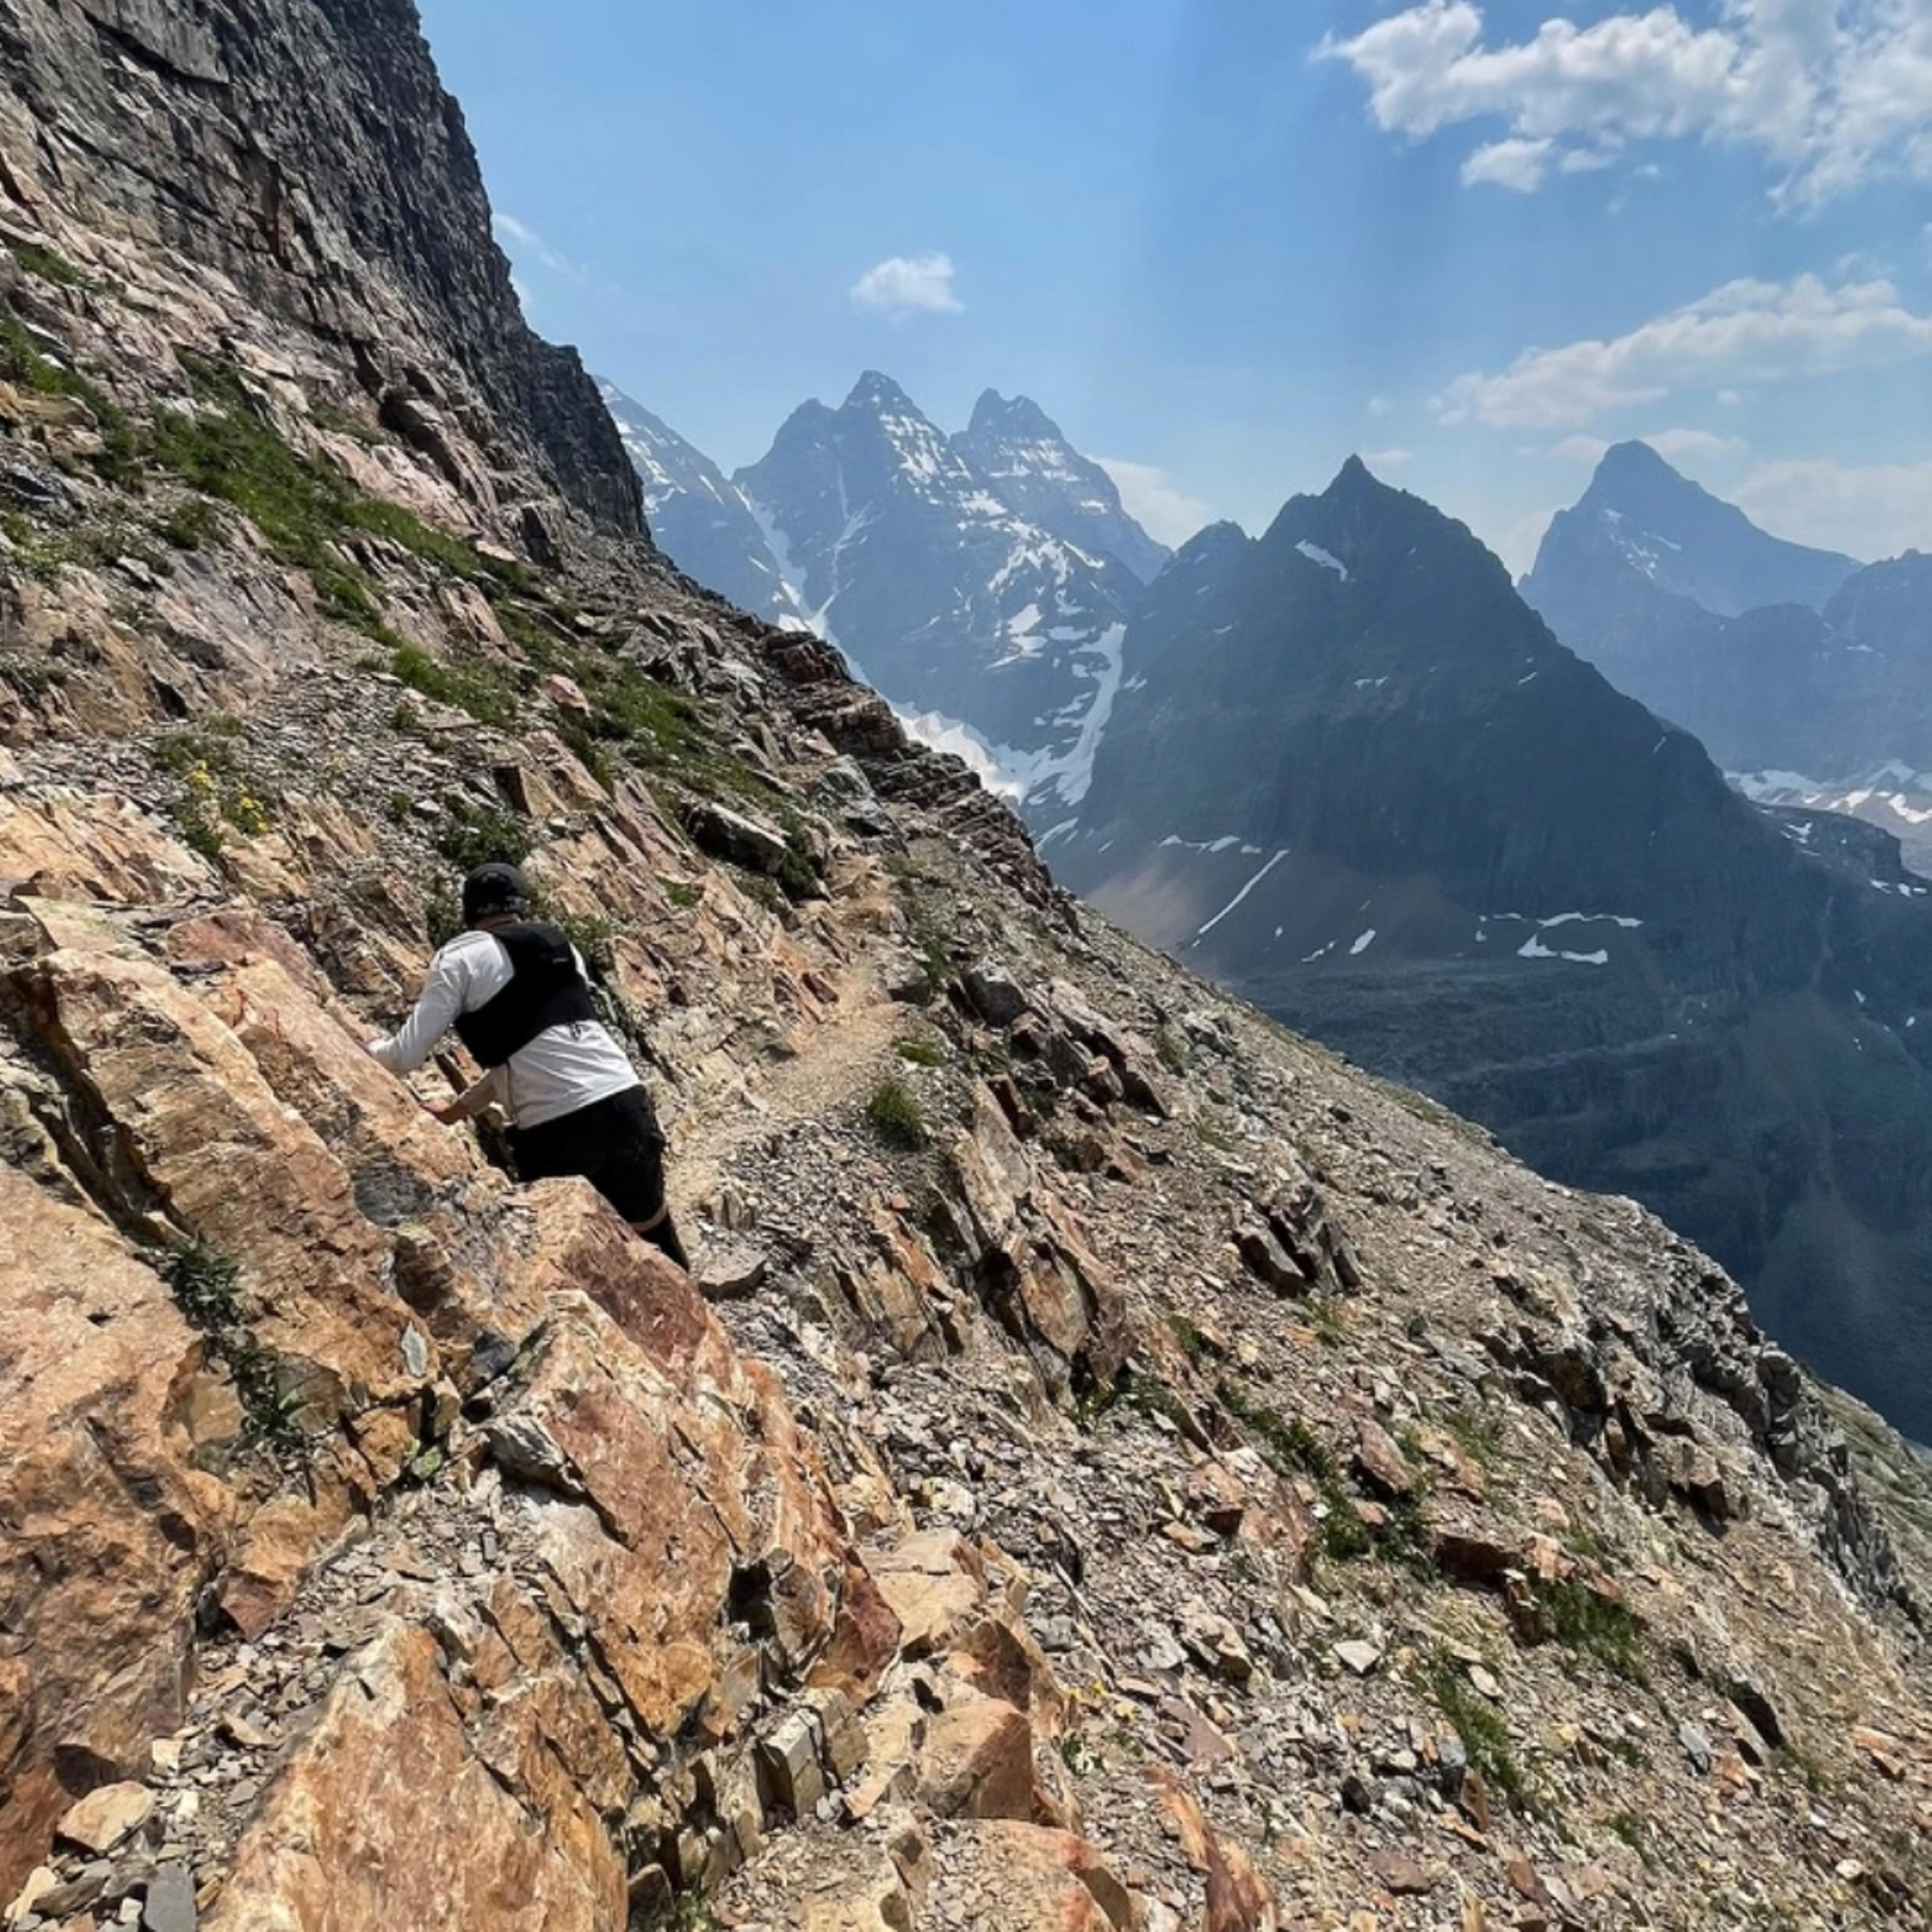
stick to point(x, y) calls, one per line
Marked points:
point(981, 582)
point(1031, 467)
point(1807, 676)
point(1352, 776)
point(1641, 515)
point(699, 518)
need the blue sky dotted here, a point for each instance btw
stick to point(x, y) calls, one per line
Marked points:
point(1225, 244)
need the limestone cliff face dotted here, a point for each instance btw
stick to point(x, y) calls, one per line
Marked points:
point(1114, 1467)
point(307, 148)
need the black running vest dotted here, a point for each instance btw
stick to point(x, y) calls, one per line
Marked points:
point(546, 990)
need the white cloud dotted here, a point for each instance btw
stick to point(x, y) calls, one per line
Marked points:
point(1871, 510)
point(1694, 445)
point(1378, 407)
point(1388, 459)
point(1164, 510)
point(1747, 331)
point(908, 284)
point(1674, 446)
point(1517, 164)
point(523, 241)
point(1830, 93)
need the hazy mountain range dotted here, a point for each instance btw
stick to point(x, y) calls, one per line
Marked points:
point(1346, 769)
point(1808, 677)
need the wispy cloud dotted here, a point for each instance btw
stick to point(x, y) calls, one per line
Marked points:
point(1379, 459)
point(908, 285)
point(1674, 445)
point(1871, 510)
point(1830, 93)
point(524, 244)
point(1517, 164)
point(1746, 331)
point(1164, 510)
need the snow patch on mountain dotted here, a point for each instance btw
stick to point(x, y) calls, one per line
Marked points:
point(1327, 560)
point(1268, 867)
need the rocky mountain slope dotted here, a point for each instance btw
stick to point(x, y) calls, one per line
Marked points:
point(701, 519)
point(1115, 1468)
point(1352, 776)
point(1805, 676)
point(980, 583)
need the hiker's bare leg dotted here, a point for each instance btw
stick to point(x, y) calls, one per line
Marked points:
point(660, 1231)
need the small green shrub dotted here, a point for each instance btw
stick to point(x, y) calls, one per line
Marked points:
point(26, 365)
point(921, 1052)
point(31, 678)
point(1485, 1735)
point(1476, 1434)
point(48, 263)
point(593, 936)
point(1173, 1050)
point(1142, 1394)
point(681, 893)
point(1293, 1448)
point(205, 1285)
point(1593, 1625)
point(897, 1116)
point(1634, 1831)
point(204, 1281)
point(483, 690)
point(589, 753)
point(215, 797)
point(192, 524)
point(325, 415)
point(933, 946)
point(481, 834)
point(442, 913)
point(1193, 1343)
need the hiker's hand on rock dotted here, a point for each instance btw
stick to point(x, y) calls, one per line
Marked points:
point(450, 1116)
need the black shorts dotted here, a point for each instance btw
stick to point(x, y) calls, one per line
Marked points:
point(615, 1144)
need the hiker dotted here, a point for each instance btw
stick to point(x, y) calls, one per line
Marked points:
point(518, 994)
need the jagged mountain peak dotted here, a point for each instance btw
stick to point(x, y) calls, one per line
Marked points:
point(995, 414)
point(877, 393)
point(1363, 530)
point(1025, 458)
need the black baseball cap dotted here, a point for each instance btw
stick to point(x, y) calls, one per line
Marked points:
point(492, 889)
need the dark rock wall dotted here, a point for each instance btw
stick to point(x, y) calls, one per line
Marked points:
point(307, 148)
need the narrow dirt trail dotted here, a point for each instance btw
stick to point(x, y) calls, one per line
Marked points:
point(846, 1057)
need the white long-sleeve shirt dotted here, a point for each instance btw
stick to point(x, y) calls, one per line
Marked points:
point(563, 1069)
